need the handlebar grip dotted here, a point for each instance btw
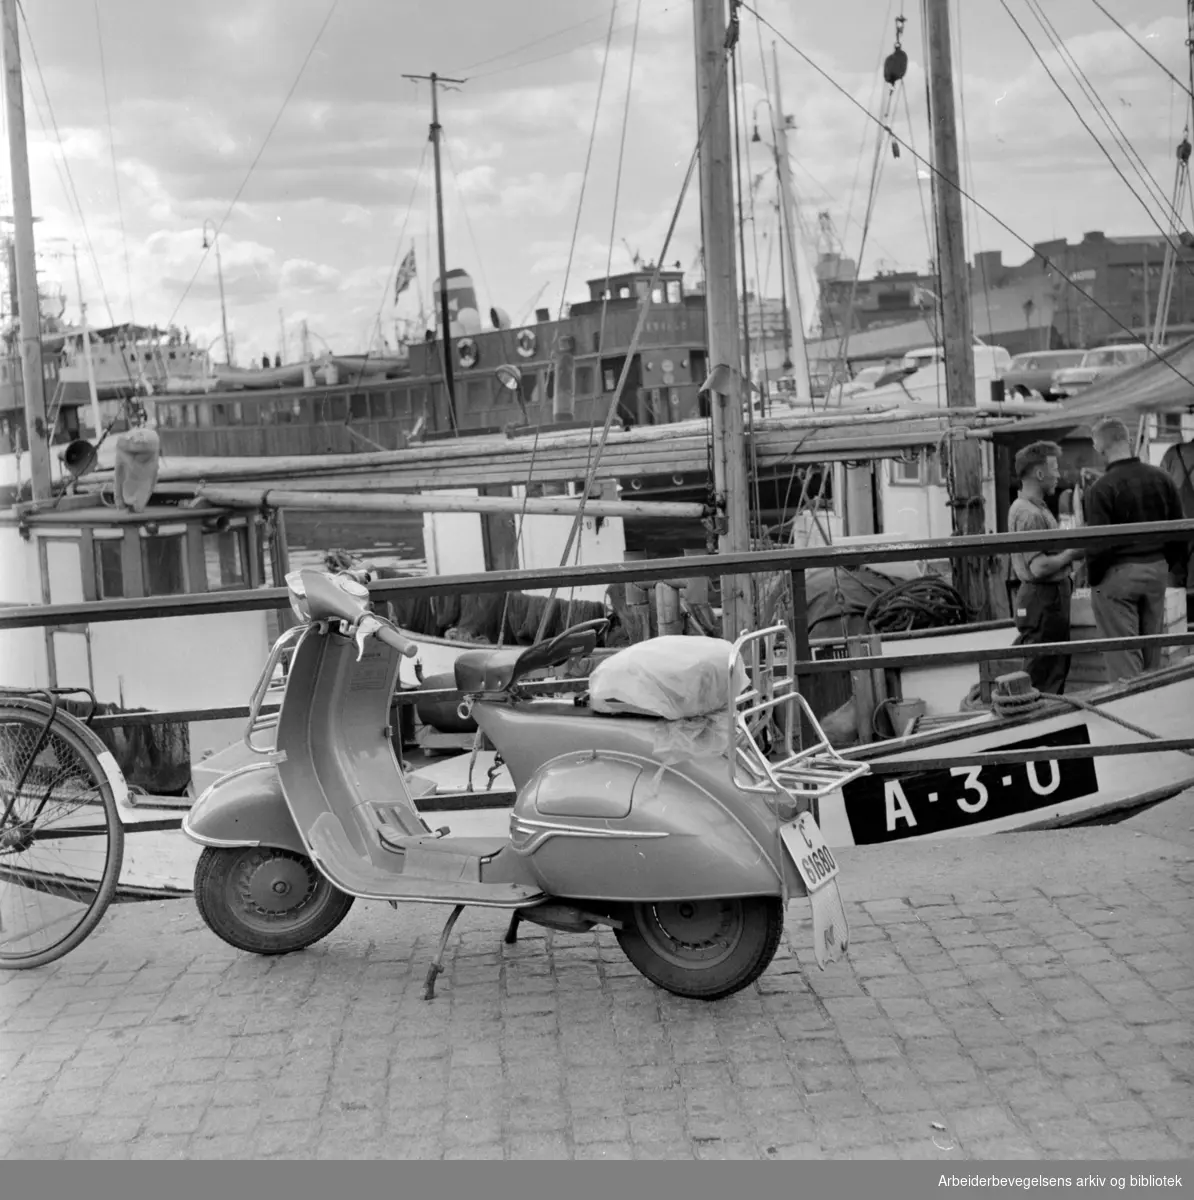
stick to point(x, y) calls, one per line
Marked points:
point(393, 638)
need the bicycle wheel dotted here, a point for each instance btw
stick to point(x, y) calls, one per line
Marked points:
point(61, 837)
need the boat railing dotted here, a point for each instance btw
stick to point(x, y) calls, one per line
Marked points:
point(794, 562)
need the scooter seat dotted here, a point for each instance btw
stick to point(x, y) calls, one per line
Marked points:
point(498, 669)
point(486, 670)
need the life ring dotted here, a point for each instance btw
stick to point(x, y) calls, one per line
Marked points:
point(525, 343)
point(466, 349)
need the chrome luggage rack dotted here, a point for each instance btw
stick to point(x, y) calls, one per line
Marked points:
point(772, 702)
point(259, 722)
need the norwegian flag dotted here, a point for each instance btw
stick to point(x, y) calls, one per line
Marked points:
point(406, 272)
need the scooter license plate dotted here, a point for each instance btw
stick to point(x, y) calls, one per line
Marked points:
point(813, 858)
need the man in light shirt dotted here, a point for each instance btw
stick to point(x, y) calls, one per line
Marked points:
point(1042, 601)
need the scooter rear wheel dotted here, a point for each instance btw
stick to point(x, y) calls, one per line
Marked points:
point(266, 900)
point(703, 949)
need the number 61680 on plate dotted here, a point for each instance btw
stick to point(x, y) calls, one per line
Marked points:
point(813, 858)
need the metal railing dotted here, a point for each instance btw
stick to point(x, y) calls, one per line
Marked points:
point(794, 561)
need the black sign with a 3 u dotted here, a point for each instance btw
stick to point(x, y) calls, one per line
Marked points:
point(887, 808)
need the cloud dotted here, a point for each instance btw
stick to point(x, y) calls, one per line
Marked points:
point(193, 91)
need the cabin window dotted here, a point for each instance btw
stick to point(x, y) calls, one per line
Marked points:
point(584, 380)
point(335, 409)
point(236, 413)
point(1169, 427)
point(163, 564)
point(657, 295)
point(166, 415)
point(673, 291)
point(203, 413)
point(225, 557)
point(924, 468)
point(109, 570)
point(380, 406)
point(530, 387)
point(908, 472)
point(609, 379)
point(219, 414)
point(359, 406)
point(696, 366)
point(624, 292)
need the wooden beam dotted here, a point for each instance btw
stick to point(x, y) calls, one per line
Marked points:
point(28, 617)
point(565, 506)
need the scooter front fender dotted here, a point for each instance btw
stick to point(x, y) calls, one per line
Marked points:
point(244, 808)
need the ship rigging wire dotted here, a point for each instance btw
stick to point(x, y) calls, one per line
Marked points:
point(972, 225)
point(327, 20)
point(645, 307)
point(1049, 263)
point(1187, 88)
point(746, 372)
point(399, 244)
point(67, 180)
point(1166, 237)
point(1090, 93)
point(593, 454)
point(124, 241)
point(1113, 127)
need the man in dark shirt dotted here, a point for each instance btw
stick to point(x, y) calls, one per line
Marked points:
point(1128, 581)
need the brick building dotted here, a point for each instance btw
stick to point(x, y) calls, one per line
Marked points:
point(1116, 281)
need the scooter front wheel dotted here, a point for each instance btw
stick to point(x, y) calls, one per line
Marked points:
point(266, 900)
point(703, 949)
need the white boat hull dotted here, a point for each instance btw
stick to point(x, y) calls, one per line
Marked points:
point(966, 801)
point(921, 805)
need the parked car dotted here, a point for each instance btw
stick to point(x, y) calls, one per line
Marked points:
point(1029, 373)
point(1098, 364)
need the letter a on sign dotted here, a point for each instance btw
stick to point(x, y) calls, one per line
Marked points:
point(897, 805)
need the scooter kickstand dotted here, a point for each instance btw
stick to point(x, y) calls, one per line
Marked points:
point(438, 965)
point(512, 932)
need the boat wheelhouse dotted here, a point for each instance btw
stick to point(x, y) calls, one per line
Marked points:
point(566, 370)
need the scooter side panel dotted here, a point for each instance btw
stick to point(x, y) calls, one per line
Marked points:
point(676, 842)
point(244, 808)
point(533, 734)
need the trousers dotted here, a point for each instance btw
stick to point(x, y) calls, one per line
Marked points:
point(1129, 601)
point(1043, 615)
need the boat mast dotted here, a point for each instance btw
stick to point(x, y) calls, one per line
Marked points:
point(91, 388)
point(787, 224)
point(29, 310)
point(445, 321)
point(721, 306)
point(965, 473)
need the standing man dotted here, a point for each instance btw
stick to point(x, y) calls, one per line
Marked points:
point(1128, 581)
point(1042, 600)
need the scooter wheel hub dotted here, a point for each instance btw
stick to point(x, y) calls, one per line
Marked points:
point(277, 885)
point(690, 931)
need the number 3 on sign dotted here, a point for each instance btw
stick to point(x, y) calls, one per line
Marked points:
point(973, 784)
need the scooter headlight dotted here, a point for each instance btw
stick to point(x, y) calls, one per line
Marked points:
point(298, 596)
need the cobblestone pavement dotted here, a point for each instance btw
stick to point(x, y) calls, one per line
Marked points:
point(1050, 1021)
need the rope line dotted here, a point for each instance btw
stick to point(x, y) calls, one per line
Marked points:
point(1049, 263)
point(257, 157)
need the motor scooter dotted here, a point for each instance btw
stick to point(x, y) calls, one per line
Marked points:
point(691, 862)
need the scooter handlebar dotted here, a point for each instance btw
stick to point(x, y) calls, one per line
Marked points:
point(391, 637)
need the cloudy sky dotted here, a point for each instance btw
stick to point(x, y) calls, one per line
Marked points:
point(320, 194)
